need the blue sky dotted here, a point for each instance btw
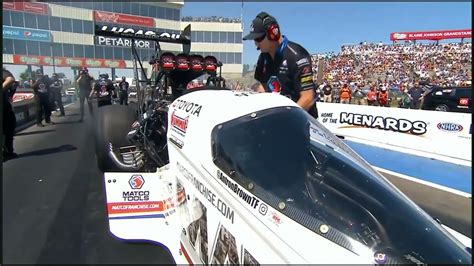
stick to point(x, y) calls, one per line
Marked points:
point(324, 27)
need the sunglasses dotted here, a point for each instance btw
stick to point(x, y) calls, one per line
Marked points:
point(260, 39)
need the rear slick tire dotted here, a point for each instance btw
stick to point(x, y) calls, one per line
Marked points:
point(113, 122)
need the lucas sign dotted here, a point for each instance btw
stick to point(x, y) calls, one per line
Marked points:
point(114, 41)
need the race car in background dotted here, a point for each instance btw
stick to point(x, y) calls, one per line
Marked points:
point(219, 176)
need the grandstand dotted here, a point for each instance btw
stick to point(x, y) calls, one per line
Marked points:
point(446, 64)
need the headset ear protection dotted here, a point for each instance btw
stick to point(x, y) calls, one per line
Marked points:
point(273, 30)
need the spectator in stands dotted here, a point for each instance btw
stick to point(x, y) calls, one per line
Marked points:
point(372, 96)
point(416, 95)
point(404, 101)
point(345, 94)
point(448, 64)
point(336, 92)
point(9, 119)
point(383, 97)
point(358, 95)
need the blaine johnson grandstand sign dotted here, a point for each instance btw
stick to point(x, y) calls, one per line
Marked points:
point(430, 35)
point(114, 41)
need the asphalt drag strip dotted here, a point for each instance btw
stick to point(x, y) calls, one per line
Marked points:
point(54, 208)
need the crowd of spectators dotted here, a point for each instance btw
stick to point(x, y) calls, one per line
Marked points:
point(210, 19)
point(446, 64)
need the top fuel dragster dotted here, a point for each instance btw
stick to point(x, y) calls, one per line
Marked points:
point(220, 176)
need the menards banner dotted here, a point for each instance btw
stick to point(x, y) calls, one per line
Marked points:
point(67, 61)
point(430, 35)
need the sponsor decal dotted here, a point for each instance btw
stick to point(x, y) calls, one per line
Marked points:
point(449, 127)
point(274, 217)
point(121, 42)
point(136, 195)
point(327, 118)
point(306, 79)
point(67, 61)
point(399, 36)
point(464, 101)
point(413, 259)
point(380, 257)
point(275, 31)
point(136, 181)
point(123, 19)
point(188, 107)
point(37, 8)
point(22, 96)
point(385, 123)
point(132, 207)
point(176, 142)
point(273, 84)
point(224, 250)
point(210, 196)
point(179, 124)
point(131, 32)
point(302, 62)
point(26, 34)
point(306, 70)
point(20, 117)
point(431, 35)
point(251, 200)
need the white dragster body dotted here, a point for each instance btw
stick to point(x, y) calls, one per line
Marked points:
point(206, 206)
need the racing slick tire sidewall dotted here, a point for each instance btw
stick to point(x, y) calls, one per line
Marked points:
point(112, 125)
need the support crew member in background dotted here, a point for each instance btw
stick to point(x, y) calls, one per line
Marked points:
point(9, 119)
point(42, 90)
point(104, 89)
point(123, 91)
point(283, 66)
point(56, 89)
point(85, 88)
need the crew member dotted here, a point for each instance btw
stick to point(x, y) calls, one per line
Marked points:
point(104, 89)
point(85, 88)
point(42, 90)
point(56, 89)
point(123, 91)
point(9, 119)
point(283, 66)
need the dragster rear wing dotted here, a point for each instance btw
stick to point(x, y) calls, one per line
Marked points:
point(138, 34)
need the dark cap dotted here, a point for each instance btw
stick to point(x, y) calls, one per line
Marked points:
point(259, 26)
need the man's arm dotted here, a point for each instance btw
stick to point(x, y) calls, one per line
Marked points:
point(7, 83)
point(306, 99)
point(260, 75)
point(303, 82)
point(92, 91)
